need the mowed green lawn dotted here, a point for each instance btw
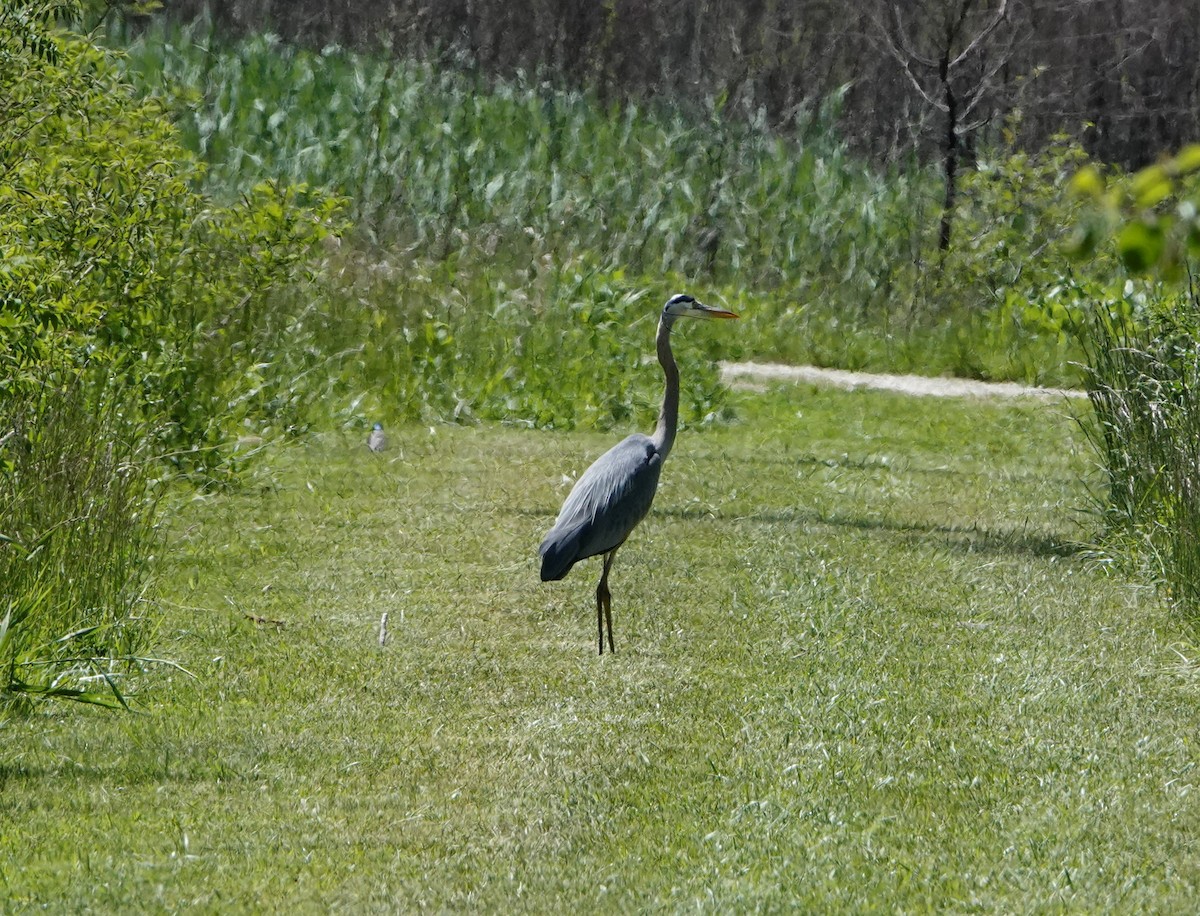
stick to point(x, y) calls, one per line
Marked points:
point(862, 664)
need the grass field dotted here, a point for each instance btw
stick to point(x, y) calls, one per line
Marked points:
point(861, 666)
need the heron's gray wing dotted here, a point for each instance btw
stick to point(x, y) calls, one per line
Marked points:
point(605, 504)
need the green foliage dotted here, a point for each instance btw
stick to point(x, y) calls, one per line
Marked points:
point(552, 346)
point(439, 160)
point(1143, 364)
point(26, 29)
point(1143, 379)
point(76, 523)
point(832, 259)
point(1153, 214)
point(1007, 274)
point(110, 259)
point(128, 310)
point(82, 173)
point(220, 373)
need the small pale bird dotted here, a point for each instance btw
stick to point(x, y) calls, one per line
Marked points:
point(615, 493)
point(377, 441)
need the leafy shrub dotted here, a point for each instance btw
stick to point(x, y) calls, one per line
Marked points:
point(131, 311)
point(1007, 275)
point(109, 258)
point(1143, 364)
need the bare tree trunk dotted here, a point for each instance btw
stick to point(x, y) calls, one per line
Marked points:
point(948, 79)
point(950, 167)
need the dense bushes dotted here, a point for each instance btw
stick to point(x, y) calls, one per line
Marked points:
point(1143, 365)
point(114, 265)
point(130, 315)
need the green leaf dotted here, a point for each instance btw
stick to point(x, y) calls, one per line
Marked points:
point(493, 188)
point(1188, 160)
point(1140, 246)
point(1152, 193)
point(1150, 186)
point(1087, 182)
point(1193, 240)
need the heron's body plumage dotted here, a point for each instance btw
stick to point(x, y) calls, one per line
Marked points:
point(605, 505)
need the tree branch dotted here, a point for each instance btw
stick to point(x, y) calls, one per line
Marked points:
point(903, 56)
point(982, 36)
point(982, 86)
point(905, 45)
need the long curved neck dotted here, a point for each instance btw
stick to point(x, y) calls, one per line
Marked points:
point(668, 417)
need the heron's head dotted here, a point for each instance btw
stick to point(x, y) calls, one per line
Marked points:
point(377, 427)
point(681, 305)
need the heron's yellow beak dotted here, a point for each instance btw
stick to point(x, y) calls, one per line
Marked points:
point(700, 310)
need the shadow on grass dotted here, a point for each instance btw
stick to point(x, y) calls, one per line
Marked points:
point(133, 769)
point(75, 772)
point(898, 465)
point(968, 539)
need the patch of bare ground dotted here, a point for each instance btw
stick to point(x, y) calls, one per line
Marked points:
point(746, 375)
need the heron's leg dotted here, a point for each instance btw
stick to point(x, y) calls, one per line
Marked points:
point(604, 603)
point(600, 589)
point(601, 594)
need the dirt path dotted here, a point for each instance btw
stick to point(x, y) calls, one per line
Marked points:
point(747, 374)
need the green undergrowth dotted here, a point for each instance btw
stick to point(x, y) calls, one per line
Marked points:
point(1143, 366)
point(551, 346)
point(864, 661)
point(440, 165)
point(135, 343)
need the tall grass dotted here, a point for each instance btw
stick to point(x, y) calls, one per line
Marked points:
point(429, 155)
point(1143, 379)
point(1143, 363)
point(832, 260)
point(559, 346)
point(128, 312)
point(76, 529)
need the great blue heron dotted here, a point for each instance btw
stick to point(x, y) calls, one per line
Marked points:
point(615, 493)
